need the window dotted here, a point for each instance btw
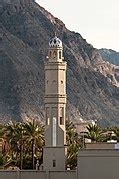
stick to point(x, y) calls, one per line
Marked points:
point(61, 121)
point(47, 116)
point(54, 123)
point(61, 117)
point(60, 55)
point(54, 163)
point(54, 132)
point(50, 53)
point(54, 54)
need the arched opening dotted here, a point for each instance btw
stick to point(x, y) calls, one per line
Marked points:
point(60, 55)
point(47, 116)
point(61, 116)
point(54, 54)
point(50, 54)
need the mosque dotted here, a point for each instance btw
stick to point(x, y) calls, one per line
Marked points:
point(93, 159)
point(55, 107)
point(97, 161)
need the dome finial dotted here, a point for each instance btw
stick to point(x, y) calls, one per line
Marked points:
point(55, 42)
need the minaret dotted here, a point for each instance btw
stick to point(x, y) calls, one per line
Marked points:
point(54, 155)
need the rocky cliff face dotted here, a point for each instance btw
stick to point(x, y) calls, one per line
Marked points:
point(110, 55)
point(24, 34)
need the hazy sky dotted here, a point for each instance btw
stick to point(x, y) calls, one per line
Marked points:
point(96, 20)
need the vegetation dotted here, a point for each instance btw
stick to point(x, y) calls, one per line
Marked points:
point(73, 143)
point(22, 143)
point(95, 133)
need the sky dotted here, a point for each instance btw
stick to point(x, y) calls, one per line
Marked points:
point(96, 20)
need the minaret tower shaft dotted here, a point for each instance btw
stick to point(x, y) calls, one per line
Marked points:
point(55, 107)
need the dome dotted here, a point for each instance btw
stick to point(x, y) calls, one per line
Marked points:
point(55, 42)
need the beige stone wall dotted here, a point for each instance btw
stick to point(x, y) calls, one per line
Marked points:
point(55, 78)
point(37, 175)
point(62, 175)
point(8, 174)
point(32, 175)
point(100, 145)
point(54, 153)
point(55, 98)
point(98, 164)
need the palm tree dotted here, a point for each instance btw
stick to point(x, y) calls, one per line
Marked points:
point(94, 132)
point(14, 136)
point(22, 138)
point(25, 141)
point(34, 133)
point(73, 143)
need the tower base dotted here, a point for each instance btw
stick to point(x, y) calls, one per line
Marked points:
point(54, 158)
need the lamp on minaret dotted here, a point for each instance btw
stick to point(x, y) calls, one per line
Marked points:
point(54, 155)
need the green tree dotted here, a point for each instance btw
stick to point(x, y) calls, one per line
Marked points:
point(34, 133)
point(14, 138)
point(94, 132)
point(73, 143)
point(25, 142)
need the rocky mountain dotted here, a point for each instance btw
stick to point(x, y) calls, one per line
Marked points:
point(110, 55)
point(25, 29)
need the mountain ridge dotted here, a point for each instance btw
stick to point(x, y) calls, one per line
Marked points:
point(110, 55)
point(25, 31)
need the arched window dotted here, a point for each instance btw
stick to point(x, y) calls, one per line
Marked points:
point(54, 126)
point(54, 54)
point(50, 53)
point(47, 116)
point(61, 117)
point(60, 55)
